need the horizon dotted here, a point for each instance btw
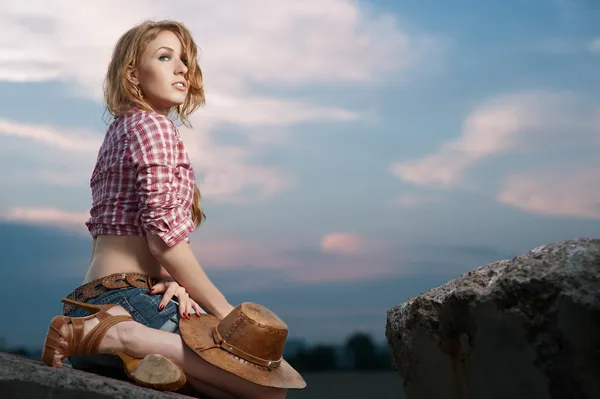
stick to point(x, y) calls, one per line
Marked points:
point(351, 154)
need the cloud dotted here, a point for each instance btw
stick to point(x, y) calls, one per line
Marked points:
point(327, 262)
point(332, 42)
point(262, 41)
point(542, 128)
point(50, 136)
point(227, 171)
point(45, 154)
point(247, 264)
point(71, 221)
point(264, 264)
point(514, 122)
point(341, 243)
point(336, 258)
point(571, 190)
point(259, 111)
point(275, 261)
point(494, 127)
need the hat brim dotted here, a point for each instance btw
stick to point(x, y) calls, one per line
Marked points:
point(196, 333)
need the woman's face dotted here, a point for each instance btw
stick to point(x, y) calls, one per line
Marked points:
point(162, 73)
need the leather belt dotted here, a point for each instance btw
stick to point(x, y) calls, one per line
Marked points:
point(111, 282)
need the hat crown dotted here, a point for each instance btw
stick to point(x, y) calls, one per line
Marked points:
point(255, 330)
point(248, 342)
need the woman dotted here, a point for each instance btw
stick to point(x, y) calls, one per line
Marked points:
point(145, 203)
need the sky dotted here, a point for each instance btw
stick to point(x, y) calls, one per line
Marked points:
point(351, 154)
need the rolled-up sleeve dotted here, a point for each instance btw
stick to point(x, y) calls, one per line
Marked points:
point(153, 150)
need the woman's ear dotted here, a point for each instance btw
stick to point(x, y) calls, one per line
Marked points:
point(132, 75)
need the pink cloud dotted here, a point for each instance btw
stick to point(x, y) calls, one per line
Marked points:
point(219, 252)
point(276, 258)
point(49, 216)
point(369, 260)
point(567, 190)
point(492, 128)
point(341, 243)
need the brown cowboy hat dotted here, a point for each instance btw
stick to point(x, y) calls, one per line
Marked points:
point(248, 342)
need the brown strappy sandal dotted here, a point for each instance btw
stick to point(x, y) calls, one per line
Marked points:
point(153, 371)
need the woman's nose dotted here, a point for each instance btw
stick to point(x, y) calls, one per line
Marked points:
point(181, 68)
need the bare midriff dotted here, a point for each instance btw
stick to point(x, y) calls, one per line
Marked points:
point(121, 254)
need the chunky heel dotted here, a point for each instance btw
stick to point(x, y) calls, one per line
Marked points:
point(153, 371)
point(52, 342)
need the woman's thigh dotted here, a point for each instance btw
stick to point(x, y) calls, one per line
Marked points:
point(143, 308)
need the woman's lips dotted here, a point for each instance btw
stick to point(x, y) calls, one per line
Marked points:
point(179, 86)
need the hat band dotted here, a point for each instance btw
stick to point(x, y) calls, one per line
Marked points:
point(269, 364)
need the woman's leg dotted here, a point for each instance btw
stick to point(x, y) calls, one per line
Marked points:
point(137, 340)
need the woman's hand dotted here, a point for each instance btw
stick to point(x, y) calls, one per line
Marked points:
point(170, 289)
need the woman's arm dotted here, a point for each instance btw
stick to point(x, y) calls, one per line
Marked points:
point(153, 148)
point(180, 262)
point(164, 274)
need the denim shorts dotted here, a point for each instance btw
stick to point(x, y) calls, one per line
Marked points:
point(143, 308)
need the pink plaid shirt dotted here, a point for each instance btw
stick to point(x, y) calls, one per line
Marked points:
point(143, 180)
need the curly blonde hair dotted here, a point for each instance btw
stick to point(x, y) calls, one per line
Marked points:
point(121, 94)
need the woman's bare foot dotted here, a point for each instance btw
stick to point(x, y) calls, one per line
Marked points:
point(110, 343)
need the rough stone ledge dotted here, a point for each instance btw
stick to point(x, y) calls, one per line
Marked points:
point(520, 328)
point(25, 378)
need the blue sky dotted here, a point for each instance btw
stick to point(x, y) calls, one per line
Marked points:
point(351, 154)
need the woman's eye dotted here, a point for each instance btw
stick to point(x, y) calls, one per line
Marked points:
point(164, 58)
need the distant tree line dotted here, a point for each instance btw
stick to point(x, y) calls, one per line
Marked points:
point(359, 352)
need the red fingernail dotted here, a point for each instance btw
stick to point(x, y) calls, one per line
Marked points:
point(161, 307)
